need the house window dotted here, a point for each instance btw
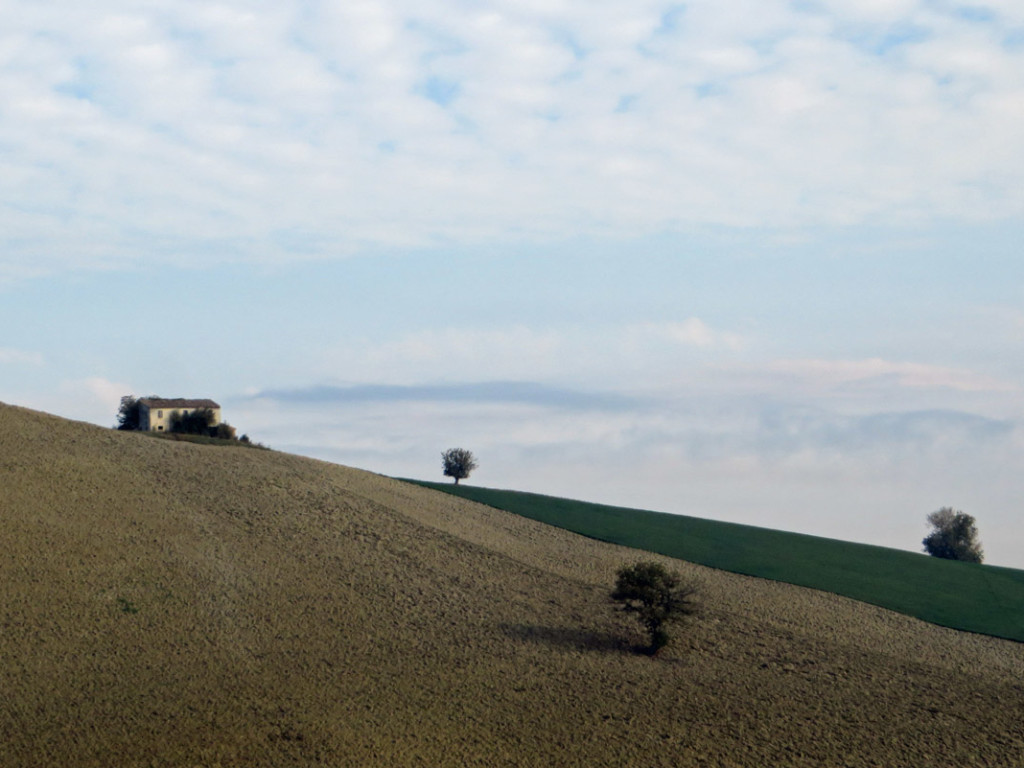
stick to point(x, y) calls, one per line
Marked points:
point(159, 414)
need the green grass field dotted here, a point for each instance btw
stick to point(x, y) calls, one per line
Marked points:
point(976, 598)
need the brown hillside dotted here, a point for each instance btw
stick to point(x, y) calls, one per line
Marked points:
point(170, 604)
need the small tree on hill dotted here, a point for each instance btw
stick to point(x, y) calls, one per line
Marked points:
point(458, 463)
point(954, 536)
point(657, 596)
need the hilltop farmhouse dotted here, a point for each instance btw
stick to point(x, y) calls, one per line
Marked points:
point(156, 414)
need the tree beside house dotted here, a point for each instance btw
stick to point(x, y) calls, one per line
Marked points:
point(157, 414)
point(174, 415)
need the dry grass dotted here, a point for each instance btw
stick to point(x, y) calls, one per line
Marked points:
point(170, 604)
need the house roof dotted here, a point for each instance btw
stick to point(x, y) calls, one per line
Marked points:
point(177, 402)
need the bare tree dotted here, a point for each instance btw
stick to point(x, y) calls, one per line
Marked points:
point(458, 463)
point(954, 536)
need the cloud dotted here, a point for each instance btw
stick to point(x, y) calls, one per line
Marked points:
point(852, 374)
point(448, 353)
point(11, 356)
point(892, 436)
point(569, 354)
point(202, 133)
point(691, 332)
point(93, 398)
point(689, 427)
point(104, 390)
point(691, 406)
point(507, 392)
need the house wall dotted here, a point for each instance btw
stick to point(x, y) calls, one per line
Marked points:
point(159, 419)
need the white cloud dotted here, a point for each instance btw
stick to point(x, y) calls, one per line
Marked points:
point(11, 356)
point(840, 373)
point(105, 391)
point(693, 332)
point(610, 354)
point(94, 399)
point(446, 354)
point(199, 132)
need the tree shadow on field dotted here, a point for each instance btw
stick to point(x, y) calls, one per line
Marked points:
point(570, 637)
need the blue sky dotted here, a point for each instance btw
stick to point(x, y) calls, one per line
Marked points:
point(755, 261)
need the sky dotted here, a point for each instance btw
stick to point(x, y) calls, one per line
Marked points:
point(750, 261)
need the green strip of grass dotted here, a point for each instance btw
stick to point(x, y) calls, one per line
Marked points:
point(976, 598)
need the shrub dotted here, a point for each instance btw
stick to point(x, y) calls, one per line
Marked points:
point(224, 431)
point(954, 536)
point(657, 596)
point(197, 422)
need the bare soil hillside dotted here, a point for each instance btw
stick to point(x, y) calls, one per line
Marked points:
point(171, 604)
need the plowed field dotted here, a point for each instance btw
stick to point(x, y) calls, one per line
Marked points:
point(170, 604)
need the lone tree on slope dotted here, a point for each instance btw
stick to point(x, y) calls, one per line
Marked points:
point(954, 536)
point(458, 463)
point(657, 596)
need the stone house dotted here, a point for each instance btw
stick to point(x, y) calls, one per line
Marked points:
point(155, 414)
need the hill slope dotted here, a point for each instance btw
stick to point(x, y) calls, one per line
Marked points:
point(978, 598)
point(170, 604)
